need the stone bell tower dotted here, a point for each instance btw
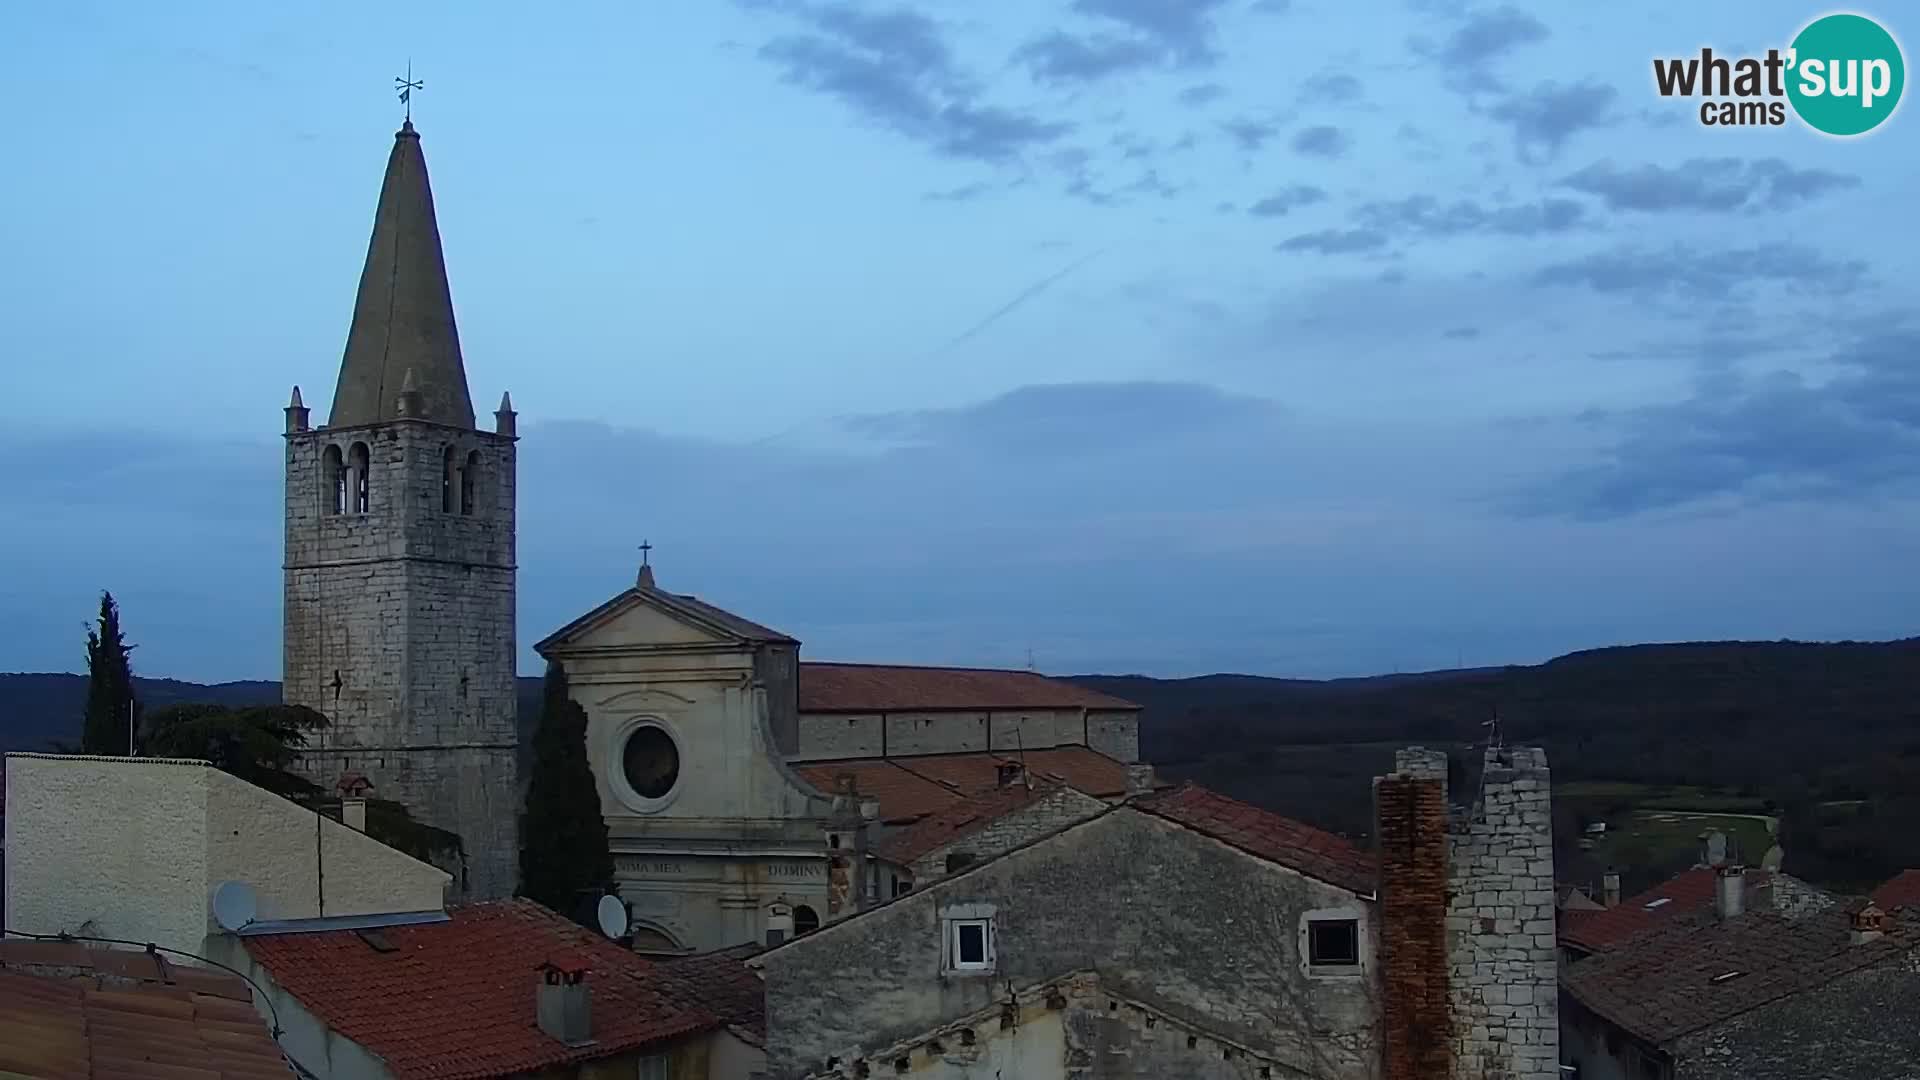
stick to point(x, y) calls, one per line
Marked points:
point(399, 616)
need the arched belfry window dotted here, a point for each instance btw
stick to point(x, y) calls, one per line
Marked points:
point(446, 481)
point(359, 462)
point(333, 474)
point(469, 483)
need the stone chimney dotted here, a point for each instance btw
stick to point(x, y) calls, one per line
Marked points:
point(1009, 773)
point(564, 1002)
point(1468, 950)
point(779, 923)
point(1729, 891)
point(353, 814)
point(1610, 888)
point(1139, 780)
point(1869, 923)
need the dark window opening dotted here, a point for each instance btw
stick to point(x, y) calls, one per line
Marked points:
point(805, 920)
point(971, 938)
point(361, 464)
point(959, 860)
point(336, 476)
point(468, 477)
point(1333, 942)
point(446, 481)
point(651, 762)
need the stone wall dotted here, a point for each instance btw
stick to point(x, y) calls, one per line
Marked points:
point(1043, 817)
point(1115, 734)
point(1503, 981)
point(1165, 916)
point(400, 627)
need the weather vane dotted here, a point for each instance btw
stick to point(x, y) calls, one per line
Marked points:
point(406, 87)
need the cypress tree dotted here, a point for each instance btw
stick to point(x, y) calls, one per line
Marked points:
point(109, 685)
point(563, 836)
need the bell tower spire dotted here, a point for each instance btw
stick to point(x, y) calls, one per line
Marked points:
point(403, 314)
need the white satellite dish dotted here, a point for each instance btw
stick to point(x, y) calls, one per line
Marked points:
point(234, 907)
point(613, 916)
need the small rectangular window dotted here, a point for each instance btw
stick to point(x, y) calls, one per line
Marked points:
point(654, 1067)
point(1333, 942)
point(969, 945)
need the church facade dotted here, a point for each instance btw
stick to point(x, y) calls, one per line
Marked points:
point(399, 563)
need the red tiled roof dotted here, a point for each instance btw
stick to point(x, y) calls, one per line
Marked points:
point(913, 787)
point(455, 1000)
point(1290, 843)
point(722, 983)
point(126, 1015)
point(1902, 890)
point(958, 819)
point(1686, 893)
point(888, 688)
point(1697, 971)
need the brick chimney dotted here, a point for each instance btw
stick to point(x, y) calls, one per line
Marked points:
point(1410, 820)
point(1869, 923)
point(564, 1003)
point(1610, 888)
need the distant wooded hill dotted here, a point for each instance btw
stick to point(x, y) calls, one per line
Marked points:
point(1826, 734)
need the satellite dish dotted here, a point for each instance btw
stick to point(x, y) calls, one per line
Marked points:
point(233, 906)
point(613, 916)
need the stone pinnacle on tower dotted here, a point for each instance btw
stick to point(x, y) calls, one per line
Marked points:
point(403, 315)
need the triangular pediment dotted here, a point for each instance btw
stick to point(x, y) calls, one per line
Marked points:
point(642, 619)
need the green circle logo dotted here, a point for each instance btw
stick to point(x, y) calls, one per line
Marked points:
point(1846, 74)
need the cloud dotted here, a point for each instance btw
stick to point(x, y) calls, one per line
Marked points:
point(1768, 437)
point(1064, 58)
point(1481, 39)
point(1428, 215)
point(896, 69)
point(963, 193)
point(1335, 241)
point(1072, 419)
point(1461, 333)
point(1321, 141)
point(1185, 28)
point(1691, 273)
point(1201, 94)
point(1288, 198)
point(1251, 134)
point(1544, 118)
point(1330, 88)
point(1713, 185)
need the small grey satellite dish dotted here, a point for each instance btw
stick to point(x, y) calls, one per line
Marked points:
point(613, 916)
point(233, 906)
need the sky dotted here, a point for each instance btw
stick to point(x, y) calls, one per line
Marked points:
point(1286, 337)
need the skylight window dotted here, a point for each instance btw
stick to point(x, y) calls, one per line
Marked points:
point(1651, 904)
point(1727, 976)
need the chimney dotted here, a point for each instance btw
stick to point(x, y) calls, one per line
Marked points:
point(1868, 924)
point(1729, 891)
point(1139, 780)
point(353, 813)
point(1713, 848)
point(779, 923)
point(1610, 888)
point(1410, 824)
point(1009, 773)
point(296, 413)
point(564, 1002)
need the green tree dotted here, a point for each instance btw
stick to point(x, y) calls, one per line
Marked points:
point(110, 704)
point(563, 837)
point(257, 743)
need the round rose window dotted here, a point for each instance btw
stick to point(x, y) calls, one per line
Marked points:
point(651, 762)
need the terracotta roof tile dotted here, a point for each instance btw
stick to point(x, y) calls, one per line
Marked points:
point(723, 984)
point(958, 819)
point(1902, 890)
point(889, 688)
point(69, 1009)
point(1697, 970)
point(910, 788)
point(1687, 893)
point(1290, 843)
point(456, 999)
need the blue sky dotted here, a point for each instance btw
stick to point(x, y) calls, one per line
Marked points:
point(1293, 337)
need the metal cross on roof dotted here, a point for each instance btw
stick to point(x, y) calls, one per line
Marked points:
point(644, 549)
point(407, 86)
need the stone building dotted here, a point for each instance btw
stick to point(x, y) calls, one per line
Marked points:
point(1181, 933)
point(743, 788)
point(399, 570)
point(1749, 994)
